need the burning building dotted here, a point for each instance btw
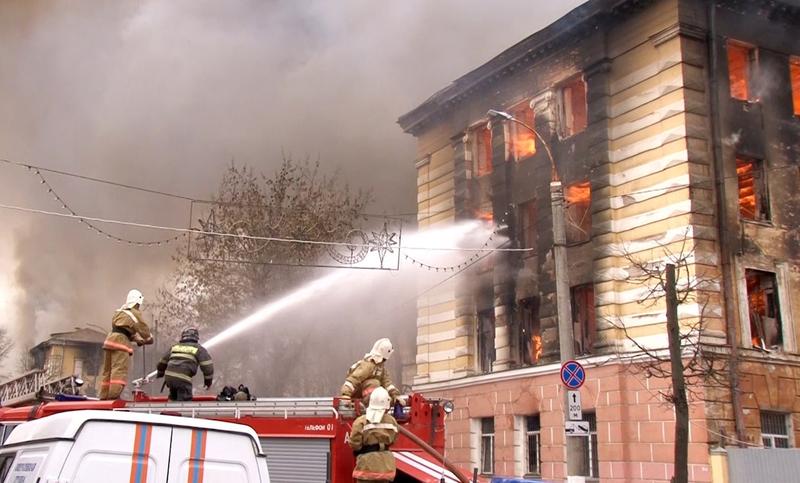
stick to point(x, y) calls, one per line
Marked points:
point(674, 127)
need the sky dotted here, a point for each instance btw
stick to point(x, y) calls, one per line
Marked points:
point(166, 94)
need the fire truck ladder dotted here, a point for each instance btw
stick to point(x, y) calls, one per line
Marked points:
point(262, 407)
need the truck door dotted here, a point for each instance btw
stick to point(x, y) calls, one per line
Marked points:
point(118, 452)
point(205, 456)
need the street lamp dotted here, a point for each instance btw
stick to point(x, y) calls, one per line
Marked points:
point(566, 344)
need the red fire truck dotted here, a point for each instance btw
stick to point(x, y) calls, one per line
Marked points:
point(304, 438)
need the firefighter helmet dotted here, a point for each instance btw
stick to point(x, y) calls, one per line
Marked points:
point(134, 298)
point(379, 403)
point(190, 334)
point(381, 351)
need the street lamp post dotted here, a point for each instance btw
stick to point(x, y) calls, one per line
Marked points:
point(566, 344)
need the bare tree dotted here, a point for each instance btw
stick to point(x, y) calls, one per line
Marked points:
point(235, 275)
point(6, 345)
point(689, 363)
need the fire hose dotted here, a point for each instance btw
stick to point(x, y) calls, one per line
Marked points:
point(431, 451)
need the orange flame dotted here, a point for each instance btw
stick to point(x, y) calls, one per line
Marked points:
point(536, 348)
point(739, 70)
point(578, 193)
point(484, 215)
point(794, 72)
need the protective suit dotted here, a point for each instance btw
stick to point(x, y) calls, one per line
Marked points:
point(372, 435)
point(369, 373)
point(179, 365)
point(127, 327)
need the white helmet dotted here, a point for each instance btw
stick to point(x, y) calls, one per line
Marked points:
point(379, 403)
point(381, 351)
point(134, 297)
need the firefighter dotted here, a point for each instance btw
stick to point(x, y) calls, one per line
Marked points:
point(369, 373)
point(179, 365)
point(372, 435)
point(127, 326)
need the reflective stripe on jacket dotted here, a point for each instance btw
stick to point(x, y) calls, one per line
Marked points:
point(182, 361)
point(375, 465)
point(128, 323)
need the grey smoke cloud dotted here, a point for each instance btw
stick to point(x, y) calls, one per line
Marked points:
point(166, 93)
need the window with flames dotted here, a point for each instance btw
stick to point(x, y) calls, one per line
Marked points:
point(742, 59)
point(578, 197)
point(530, 332)
point(481, 147)
point(521, 141)
point(794, 73)
point(753, 199)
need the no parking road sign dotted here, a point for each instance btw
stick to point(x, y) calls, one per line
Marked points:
point(573, 374)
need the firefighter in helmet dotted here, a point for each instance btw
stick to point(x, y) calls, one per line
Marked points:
point(369, 373)
point(180, 364)
point(372, 435)
point(127, 326)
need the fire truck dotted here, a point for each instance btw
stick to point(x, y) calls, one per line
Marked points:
point(305, 439)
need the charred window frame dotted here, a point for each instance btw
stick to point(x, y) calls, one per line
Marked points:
point(742, 64)
point(486, 351)
point(572, 107)
point(480, 142)
point(583, 318)
point(794, 77)
point(528, 235)
point(487, 446)
point(753, 189)
point(578, 199)
point(520, 141)
point(530, 332)
point(763, 306)
point(775, 430)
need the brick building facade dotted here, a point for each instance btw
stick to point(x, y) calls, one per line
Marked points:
point(675, 127)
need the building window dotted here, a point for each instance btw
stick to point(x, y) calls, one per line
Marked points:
point(521, 141)
point(774, 430)
point(764, 309)
point(530, 332)
point(486, 354)
point(794, 74)
point(753, 198)
point(527, 226)
point(578, 198)
point(589, 463)
point(533, 445)
point(741, 59)
point(77, 369)
point(487, 446)
point(481, 146)
point(583, 318)
point(573, 107)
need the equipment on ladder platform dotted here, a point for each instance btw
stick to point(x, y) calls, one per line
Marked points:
point(300, 436)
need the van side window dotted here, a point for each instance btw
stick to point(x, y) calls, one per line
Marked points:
point(5, 464)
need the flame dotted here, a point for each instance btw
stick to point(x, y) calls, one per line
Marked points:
point(578, 193)
point(536, 348)
point(484, 215)
point(523, 141)
point(739, 70)
point(747, 194)
point(794, 73)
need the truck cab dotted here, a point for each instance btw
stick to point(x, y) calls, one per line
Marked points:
point(95, 446)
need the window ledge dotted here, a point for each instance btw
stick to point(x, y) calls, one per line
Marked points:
point(766, 223)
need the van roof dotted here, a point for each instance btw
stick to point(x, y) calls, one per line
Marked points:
point(66, 425)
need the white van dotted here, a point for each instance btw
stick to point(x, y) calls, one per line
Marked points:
point(122, 447)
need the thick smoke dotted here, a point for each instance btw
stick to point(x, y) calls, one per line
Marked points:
point(165, 94)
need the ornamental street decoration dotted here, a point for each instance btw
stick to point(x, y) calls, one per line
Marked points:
point(234, 234)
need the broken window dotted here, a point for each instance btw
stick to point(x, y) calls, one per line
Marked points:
point(583, 318)
point(764, 309)
point(482, 150)
point(486, 354)
point(753, 200)
point(530, 331)
point(521, 140)
point(578, 198)
point(774, 430)
point(741, 58)
point(527, 225)
point(573, 110)
point(794, 74)
point(487, 446)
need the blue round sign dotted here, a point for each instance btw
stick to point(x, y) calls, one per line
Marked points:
point(573, 375)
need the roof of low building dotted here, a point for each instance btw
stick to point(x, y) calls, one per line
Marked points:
point(81, 335)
